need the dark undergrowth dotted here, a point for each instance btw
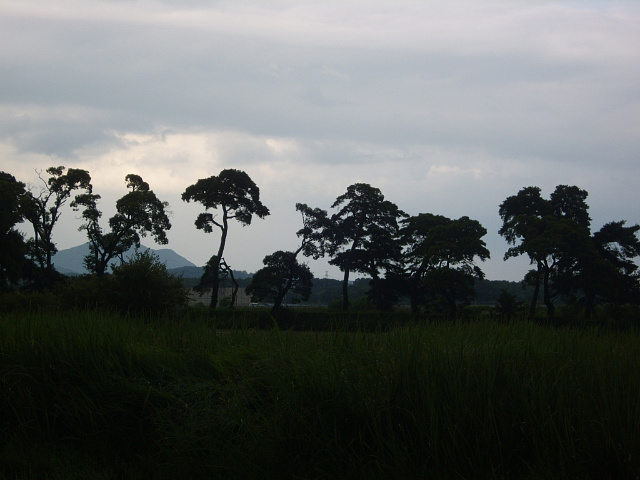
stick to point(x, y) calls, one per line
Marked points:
point(97, 395)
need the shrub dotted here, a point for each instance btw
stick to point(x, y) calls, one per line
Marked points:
point(143, 286)
point(507, 305)
point(83, 292)
point(34, 301)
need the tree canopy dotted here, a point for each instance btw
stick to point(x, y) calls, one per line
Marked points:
point(238, 197)
point(439, 259)
point(428, 258)
point(42, 209)
point(569, 260)
point(14, 250)
point(138, 213)
point(282, 274)
point(359, 236)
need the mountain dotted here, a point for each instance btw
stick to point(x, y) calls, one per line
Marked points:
point(70, 261)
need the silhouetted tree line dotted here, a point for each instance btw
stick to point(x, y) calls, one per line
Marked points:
point(428, 260)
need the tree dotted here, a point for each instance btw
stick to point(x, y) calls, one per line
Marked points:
point(14, 249)
point(233, 192)
point(314, 232)
point(360, 236)
point(554, 234)
point(416, 233)
point(439, 259)
point(281, 274)
point(507, 305)
point(522, 217)
point(142, 285)
point(384, 293)
point(138, 213)
point(227, 272)
point(608, 272)
point(43, 210)
point(569, 260)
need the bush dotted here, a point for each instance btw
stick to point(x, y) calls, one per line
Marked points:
point(33, 301)
point(507, 305)
point(83, 292)
point(143, 286)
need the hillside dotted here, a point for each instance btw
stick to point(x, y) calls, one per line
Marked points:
point(70, 261)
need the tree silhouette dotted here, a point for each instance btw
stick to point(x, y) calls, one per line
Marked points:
point(439, 259)
point(314, 232)
point(43, 210)
point(14, 249)
point(238, 197)
point(142, 285)
point(138, 213)
point(507, 305)
point(569, 260)
point(359, 237)
point(281, 274)
point(605, 270)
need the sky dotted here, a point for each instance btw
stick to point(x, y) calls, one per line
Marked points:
point(447, 107)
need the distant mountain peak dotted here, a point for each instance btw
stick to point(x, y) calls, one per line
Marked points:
point(71, 260)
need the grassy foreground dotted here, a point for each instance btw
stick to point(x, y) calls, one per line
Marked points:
point(91, 395)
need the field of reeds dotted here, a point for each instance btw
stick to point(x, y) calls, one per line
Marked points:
point(102, 396)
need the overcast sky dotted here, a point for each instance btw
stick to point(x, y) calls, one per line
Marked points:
point(447, 107)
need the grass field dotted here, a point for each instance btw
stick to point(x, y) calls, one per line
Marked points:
point(93, 395)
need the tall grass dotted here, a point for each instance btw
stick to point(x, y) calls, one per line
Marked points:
point(104, 396)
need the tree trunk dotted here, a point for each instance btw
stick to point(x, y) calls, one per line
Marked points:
point(589, 306)
point(453, 309)
point(345, 290)
point(415, 291)
point(536, 294)
point(215, 281)
point(234, 291)
point(277, 303)
point(547, 297)
point(49, 259)
point(415, 307)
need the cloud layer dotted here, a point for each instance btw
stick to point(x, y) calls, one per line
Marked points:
point(447, 107)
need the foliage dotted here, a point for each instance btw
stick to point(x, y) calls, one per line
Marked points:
point(315, 225)
point(569, 260)
point(488, 291)
point(140, 286)
point(439, 259)
point(233, 192)
point(137, 213)
point(143, 286)
point(43, 210)
point(507, 305)
point(84, 292)
point(281, 274)
point(326, 290)
point(610, 273)
point(14, 250)
point(428, 260)
point(384, 293)
point(359, 237)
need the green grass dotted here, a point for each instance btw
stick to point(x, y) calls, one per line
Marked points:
point(92, 395)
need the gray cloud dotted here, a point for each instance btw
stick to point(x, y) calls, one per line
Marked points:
point(448, 107)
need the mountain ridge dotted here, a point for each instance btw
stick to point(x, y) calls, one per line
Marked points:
point(70, 261)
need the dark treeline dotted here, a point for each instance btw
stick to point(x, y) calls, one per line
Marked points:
point(328, 291)
point(427, 262)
